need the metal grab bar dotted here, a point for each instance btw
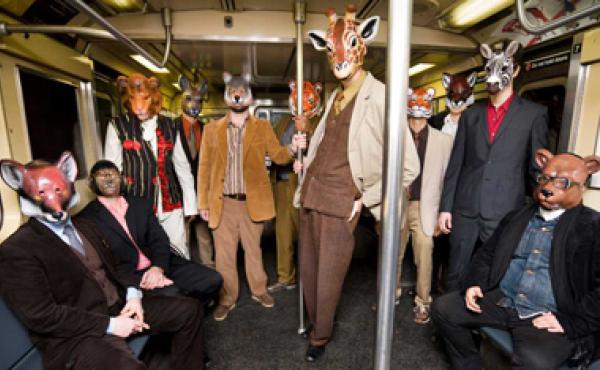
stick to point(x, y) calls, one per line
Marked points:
point(540, 29)
point(7, 29)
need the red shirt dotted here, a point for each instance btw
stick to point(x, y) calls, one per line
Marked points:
point(496, 116)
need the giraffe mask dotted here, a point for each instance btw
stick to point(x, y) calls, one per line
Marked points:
point(345, 40)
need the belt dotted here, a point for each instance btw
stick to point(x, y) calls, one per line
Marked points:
point(238, 196)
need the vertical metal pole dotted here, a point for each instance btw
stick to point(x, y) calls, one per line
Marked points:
point(300, 18)
point(398, 58)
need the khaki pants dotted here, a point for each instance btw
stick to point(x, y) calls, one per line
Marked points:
point(236, 225)
point(422, 250)
point(286, 224)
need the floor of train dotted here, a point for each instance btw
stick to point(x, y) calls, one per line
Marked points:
point(253, 337)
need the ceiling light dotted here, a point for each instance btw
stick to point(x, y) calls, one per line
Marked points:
point(470, 12)
point(148, 64)
point(125, 5)
point(418, 68)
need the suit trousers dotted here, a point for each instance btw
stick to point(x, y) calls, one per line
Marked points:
point(534, 349)
point(205, 242)
point(326, 249)
point(180, 316)
point(422, 246)
point(237, 225)
point(286, 224)
point(467, 232)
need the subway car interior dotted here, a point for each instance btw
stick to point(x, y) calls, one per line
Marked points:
point(60, 62)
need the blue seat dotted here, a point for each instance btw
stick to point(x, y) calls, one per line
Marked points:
point(18, 353)
point(503, 341)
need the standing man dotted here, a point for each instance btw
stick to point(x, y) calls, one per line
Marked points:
point(343, 170)
point(492, 162)
point(235, 194)
point(146, 147)
point(424, 195)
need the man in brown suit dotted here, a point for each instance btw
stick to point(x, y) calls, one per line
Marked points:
point(234, 191)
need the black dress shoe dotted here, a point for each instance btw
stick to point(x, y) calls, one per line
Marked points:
point(314, 352)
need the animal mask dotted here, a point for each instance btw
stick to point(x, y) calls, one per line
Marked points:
point(311, 98)
point(419, 102)
point(459, 91)
point(238, 95)
point(499, 67)
point(563, 178)
point(345, 40)
point(46, 190)
point(140, 95)
point(191, 97)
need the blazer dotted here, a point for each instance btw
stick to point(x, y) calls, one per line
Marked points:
point(574, 268)
point(143, 227)
point(437, 154)
point(259, 141)
point(437, 121)
point(52, 292)
point(365, 145)
point(489, 180)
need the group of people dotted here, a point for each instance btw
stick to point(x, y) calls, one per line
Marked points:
point(122, 266)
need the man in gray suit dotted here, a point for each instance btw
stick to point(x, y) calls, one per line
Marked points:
point(492, 162)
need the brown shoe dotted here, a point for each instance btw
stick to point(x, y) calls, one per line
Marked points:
point(222, 311)
point(265, 300)
point(280, 286)
point(421, 314)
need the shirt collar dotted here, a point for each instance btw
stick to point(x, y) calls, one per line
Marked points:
point(504, 106)
point(352, 90)
point(121, 205)
point(550, 215)
point(421, 134)
point(56, 227)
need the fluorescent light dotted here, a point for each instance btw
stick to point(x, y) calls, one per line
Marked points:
point(148, 64)
point(420, 67)
point(125, 5)
point(470, 12)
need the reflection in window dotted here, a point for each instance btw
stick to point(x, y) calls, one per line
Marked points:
point(52, 118)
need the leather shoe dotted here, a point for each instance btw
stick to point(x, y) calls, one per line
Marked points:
point(314, 352)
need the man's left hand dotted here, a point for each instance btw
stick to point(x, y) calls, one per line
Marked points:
point(548, 322)
point(133, 308)
point(298, 142)
point(154, 278)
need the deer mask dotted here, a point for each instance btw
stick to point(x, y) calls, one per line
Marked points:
point(191, 97)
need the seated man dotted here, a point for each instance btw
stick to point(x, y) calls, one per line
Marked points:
point(58, 277)
point(538, 276)
point(139, 243)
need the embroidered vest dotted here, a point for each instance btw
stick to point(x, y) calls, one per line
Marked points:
point(141, 169)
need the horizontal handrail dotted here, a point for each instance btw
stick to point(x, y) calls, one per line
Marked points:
point(540, 29)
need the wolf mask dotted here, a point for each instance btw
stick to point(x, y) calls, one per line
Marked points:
point(46, 190)
point(499, 66)
point(459, 91)
point(238, 94)
point(191, 97)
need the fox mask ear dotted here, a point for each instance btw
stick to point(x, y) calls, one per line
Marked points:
point(12, 173)
point(68, 166)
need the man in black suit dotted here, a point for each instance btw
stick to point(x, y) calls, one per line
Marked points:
point(492, 162)
point(139, 242)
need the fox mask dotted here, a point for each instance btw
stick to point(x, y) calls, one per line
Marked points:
point(45, 189)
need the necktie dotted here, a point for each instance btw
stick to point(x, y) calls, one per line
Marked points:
point(337, 104)
point(74, 242)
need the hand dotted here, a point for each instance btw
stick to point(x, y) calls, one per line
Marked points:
point(297, 166)
point(298, 142)
point(437, 231)
point(125, 326)
point(445, 222)
point(204, 214)
point(154, 278)
point(471, 296)
point(133, 309)
point(549, 322)
point(302, 123)
point(355, 209)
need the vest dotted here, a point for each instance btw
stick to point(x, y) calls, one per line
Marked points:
point(141, 169)
point(186, 145)
point(328, 187)
point(92, 261)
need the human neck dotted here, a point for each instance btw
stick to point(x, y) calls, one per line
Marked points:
point(499, 98)
point(417, 124)
point(187, 118)
point(112, 199)
point(238, 119)
point(353, 77)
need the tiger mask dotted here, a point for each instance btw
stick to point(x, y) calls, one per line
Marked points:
point(311, 99)
point(420, 102)
point(140, 95)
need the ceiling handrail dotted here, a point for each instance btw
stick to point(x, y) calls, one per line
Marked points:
point(541, 29)
point(7, 29)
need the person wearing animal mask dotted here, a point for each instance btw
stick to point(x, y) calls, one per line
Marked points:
point(59, 277)
point(538, 277)
point(148, 150)
point(234, 191)
point(344, 166)
point(191, 132)
point(433, 149)
point(459, 96)
point(285, 182)
point(492, 166)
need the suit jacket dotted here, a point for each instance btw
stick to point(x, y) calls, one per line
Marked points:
point(574, 267)
point(437, 154)
point(143, 227)
point(365, 145)
point(52, 292)
point(259, 140)
point(437, 121)
point(491, 180)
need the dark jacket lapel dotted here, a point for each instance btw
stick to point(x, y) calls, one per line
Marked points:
point(104, 216)
point(513, 111)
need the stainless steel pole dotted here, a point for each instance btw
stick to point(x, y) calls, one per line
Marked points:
point(300, 18)
point(398, 58)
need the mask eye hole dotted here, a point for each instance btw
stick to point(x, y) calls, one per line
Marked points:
point(42, 192)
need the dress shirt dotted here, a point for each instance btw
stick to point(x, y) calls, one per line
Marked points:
point(345, 95)
point(450, 127)
point(495, 116)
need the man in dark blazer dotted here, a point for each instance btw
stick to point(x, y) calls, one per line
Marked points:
point(58, 276)
point(537, 276)
point(139, 243)
point(492, 161)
